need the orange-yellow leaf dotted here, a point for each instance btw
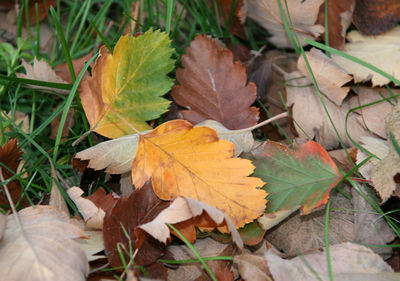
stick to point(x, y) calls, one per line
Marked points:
point(194, 162)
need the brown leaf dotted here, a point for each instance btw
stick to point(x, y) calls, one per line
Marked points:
point(385, 174)
point(94, 207)
point(330, 77)
point(69, 123)
point(212, 86)
point(370, 228)
point(195, 213)
point(3, 223)
point(340, 14)
point(303, 14)
point(41, 71)
point(252, 267)
point(349, 262)
point(373, 116)
point(140, 207)
point(236, 26)
point(374, 17)
point(41, 247)
point(301, 234)
point(194, 271)
point(224, 274)
point(311, 118)
point(62, 70)
point(10, 157)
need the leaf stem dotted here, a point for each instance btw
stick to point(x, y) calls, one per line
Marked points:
point(265, 122)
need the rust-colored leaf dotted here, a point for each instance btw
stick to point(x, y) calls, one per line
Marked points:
point(10, 158)
point(374, 17)
point(183, 160)
point(340, 14)
point(140, 207)
point(235, 19)
point(213, 86)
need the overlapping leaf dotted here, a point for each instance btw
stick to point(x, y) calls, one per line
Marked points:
point(140, 207)
point(301, 177)
point(212, 86)
point(195, 163)
point(40, 247)
point(129, 84)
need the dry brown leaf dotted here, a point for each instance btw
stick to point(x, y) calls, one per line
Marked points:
point(384, 174)
point(381, 51)
point(92, 213)
point(140, 207)
point(374, 17)
point(213, 86)
point(303, 14)
point(340, 15)
point(195, 163)
point(194, 271)
point(62, 70)
point(373, 116)
point(253, 267)
point(329, 76)
point(69, 124)
point(41, 71)
point(184, 209)
point(301, 234)
point(239, 14)
point(40, 248)
point(311, 118)
point(10, 155)
point(370, 228)
point(376, 146)
point(346, 259)
point(93, 244)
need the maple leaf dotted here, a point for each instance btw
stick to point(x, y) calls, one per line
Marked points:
point(39, 247)
point(195, 163)
point(303, 177)
point(10, 158)
point(140, 207)
point(374, 17)
point(129, 82)
point(381, 51)
point(303, 15)
point(214, 87)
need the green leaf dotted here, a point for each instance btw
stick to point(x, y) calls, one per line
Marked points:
point(126, 87)
point(303, 177)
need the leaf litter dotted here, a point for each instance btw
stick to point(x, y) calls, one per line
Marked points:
point(195, 177)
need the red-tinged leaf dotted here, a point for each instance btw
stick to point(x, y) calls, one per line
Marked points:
point(302, 177)
point(339, 19)
point(102, 200)
point(213, 86)
point(140, 207)
point(10, 158)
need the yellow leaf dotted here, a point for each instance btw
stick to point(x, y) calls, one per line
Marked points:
point(194, 162)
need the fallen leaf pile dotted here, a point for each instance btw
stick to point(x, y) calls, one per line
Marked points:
point(184, 163)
